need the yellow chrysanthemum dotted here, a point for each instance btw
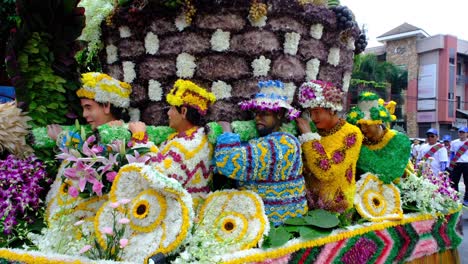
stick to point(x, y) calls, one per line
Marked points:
point(188, 93)
point(381, 101)
point(353, 114)
point(383, 113)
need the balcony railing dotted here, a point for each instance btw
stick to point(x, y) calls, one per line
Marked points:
point(462, 79)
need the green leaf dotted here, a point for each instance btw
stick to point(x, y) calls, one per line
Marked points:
point(295, 221)
point(309, 233)
point(321, 218)
point(279, 236)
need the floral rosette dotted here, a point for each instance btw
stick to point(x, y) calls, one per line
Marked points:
point(159, 212)
point(377, 201)
point(317, 93)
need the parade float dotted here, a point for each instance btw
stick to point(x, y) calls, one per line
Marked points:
point(131, 213)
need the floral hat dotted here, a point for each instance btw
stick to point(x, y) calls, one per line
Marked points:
point(318, 93)
point(272, 97)
point(189, 94)
point(102, 88)
point(371, 110)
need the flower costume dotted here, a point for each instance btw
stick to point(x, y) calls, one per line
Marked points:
point(271, 165)
point(187, 156)
point(388, 157)
point(329, 156)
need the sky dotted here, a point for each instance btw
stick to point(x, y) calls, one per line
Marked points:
point(448, 17)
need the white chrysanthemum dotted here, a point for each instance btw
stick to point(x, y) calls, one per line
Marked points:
point(309, 136)
point(129, 71)
point(185, 65)
point(151, 43)
point(312, 69)
point(377, 201)
point(350, 44)
point(220, 40)
point(155, 91)
point(134, 114)
point(289, 91)
point(261, 22)
point(346, 81)
point(125, 32)
point(291, 43)
point(334, 56)
point(221, 90)
point(111, 51)
point(261, 66)
point(316, 31)
point(180, 22)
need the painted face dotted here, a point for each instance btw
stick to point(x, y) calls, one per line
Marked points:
point(431, 138)
point(370, 131)
point(175, 118)
point(323, 118)
point(267, 122)
point(94, 113)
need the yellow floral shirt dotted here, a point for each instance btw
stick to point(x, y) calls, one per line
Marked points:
point(330, 167)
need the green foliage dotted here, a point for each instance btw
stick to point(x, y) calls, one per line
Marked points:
point(8, 20)
point(368, 68)
point(46, 90)
point(315, 224)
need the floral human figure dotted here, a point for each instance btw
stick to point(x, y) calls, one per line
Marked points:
point(270, 165)
point(331, 153)
point(384, 152)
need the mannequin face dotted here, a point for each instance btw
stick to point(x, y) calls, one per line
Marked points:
point(323, 118)
point(371, 132)
point(267, 122)
point(176, 118)
point(96, 114)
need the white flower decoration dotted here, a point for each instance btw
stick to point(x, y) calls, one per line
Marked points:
point(261, 22)
point(289, 90)
point(316, 31)
point(221, 90)
point(346, 81)
point(261, 66)
point(129, 71)
point(291, 43)
point(185, 65)
point(312, 69)
point(350, 44)
point(111, 52)
point(334, 56)
point(134, 114)
point(180, 22)
point(155, 91)
point(377, 201)
point(151, 43)
point(125, 32)
point(220, 40)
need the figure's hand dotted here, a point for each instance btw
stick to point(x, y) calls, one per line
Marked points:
point(137, 126)
point(115, 123)
point(53, 131)
point(225, 125)
point(303, 125)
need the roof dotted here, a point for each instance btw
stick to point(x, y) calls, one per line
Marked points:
point(403, 30)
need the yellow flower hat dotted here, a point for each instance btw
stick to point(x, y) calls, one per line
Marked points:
point(188, 93)
point(102, 88)
point(377, 201)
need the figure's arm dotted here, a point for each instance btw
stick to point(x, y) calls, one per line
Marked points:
point(231, 158)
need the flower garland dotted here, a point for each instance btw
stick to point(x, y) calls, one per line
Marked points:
point(112, 55)
point(151, 43)
point(377, 201)
point(221, 90)
point(129, 71)
point(316, 31)
point(257, 14)
point(346, 81)
point(261, 66)
point(220, 40)
point(180, 22)
point(125, 32)
point(186, 65)
point(312, 69)
point(334, 56)
point(155, 92)
point(291, 43)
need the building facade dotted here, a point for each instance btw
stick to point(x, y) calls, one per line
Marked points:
point(437, 92)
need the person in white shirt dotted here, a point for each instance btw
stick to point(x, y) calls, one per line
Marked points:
point(415, 149)
point(459, 163)
point(436, 151)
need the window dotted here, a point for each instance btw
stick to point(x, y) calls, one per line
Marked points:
point(459, 102)
point(459, 68)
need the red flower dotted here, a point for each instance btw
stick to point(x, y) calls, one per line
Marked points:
point(338, 156)
point(350, 140)
point(319, 148)
point(324, 164)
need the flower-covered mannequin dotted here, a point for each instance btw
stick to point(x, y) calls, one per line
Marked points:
point(330, 155)
point(187, 155)
point(384, 152)
point(270, 165)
